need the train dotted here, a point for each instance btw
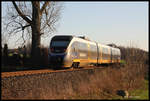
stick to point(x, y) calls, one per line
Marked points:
point(68, 51)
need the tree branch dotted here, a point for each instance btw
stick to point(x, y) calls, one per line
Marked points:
point(23, 27)
point(21, 14)
point(44, 6)
point(47, 20)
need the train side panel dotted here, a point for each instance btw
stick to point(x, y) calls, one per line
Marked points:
point(104, 54)
point(116, 55)
point(93, 54)
point(78, 52)
point(84, 52)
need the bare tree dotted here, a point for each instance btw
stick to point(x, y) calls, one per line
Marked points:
point(36, 18)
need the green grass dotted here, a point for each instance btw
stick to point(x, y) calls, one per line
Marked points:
point(140, 94)
point(122, 61)
point(143, 93)
point(10, 54)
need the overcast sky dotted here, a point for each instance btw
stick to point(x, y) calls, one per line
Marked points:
point(121, 23)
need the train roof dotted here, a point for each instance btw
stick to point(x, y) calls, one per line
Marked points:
point(85, 39)
point(92, 42)
point(82, 39)
point(107, 46)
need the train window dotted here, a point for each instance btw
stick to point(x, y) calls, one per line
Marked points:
point(64, 38)
point(59, 43)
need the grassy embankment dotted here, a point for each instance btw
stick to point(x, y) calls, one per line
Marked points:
point(104, 88)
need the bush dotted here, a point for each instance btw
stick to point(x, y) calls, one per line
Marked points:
point(133, 55)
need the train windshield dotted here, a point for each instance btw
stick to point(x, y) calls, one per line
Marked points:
point(59, 44)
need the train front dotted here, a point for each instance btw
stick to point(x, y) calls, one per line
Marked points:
point(58, 51)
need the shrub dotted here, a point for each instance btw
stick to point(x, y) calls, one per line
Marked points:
point(133, 55)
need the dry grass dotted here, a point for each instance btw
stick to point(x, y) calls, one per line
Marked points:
point(104, 85)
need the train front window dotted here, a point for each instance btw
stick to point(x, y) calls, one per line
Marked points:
point(59, 44)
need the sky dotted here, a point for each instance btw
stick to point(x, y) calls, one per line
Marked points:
point(121, 23)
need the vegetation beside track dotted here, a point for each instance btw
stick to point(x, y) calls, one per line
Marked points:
point(106, 85)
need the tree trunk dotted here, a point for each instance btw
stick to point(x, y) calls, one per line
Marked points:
point(36, 37)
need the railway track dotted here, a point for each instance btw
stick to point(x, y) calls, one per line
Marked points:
point(43, 71)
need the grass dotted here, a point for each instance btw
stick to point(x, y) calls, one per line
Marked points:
point(138, 94)
point(142, 93)
point(92, 95)
point(122, 61)
point(139, 90)
point(10, 54)
point(135, 95)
